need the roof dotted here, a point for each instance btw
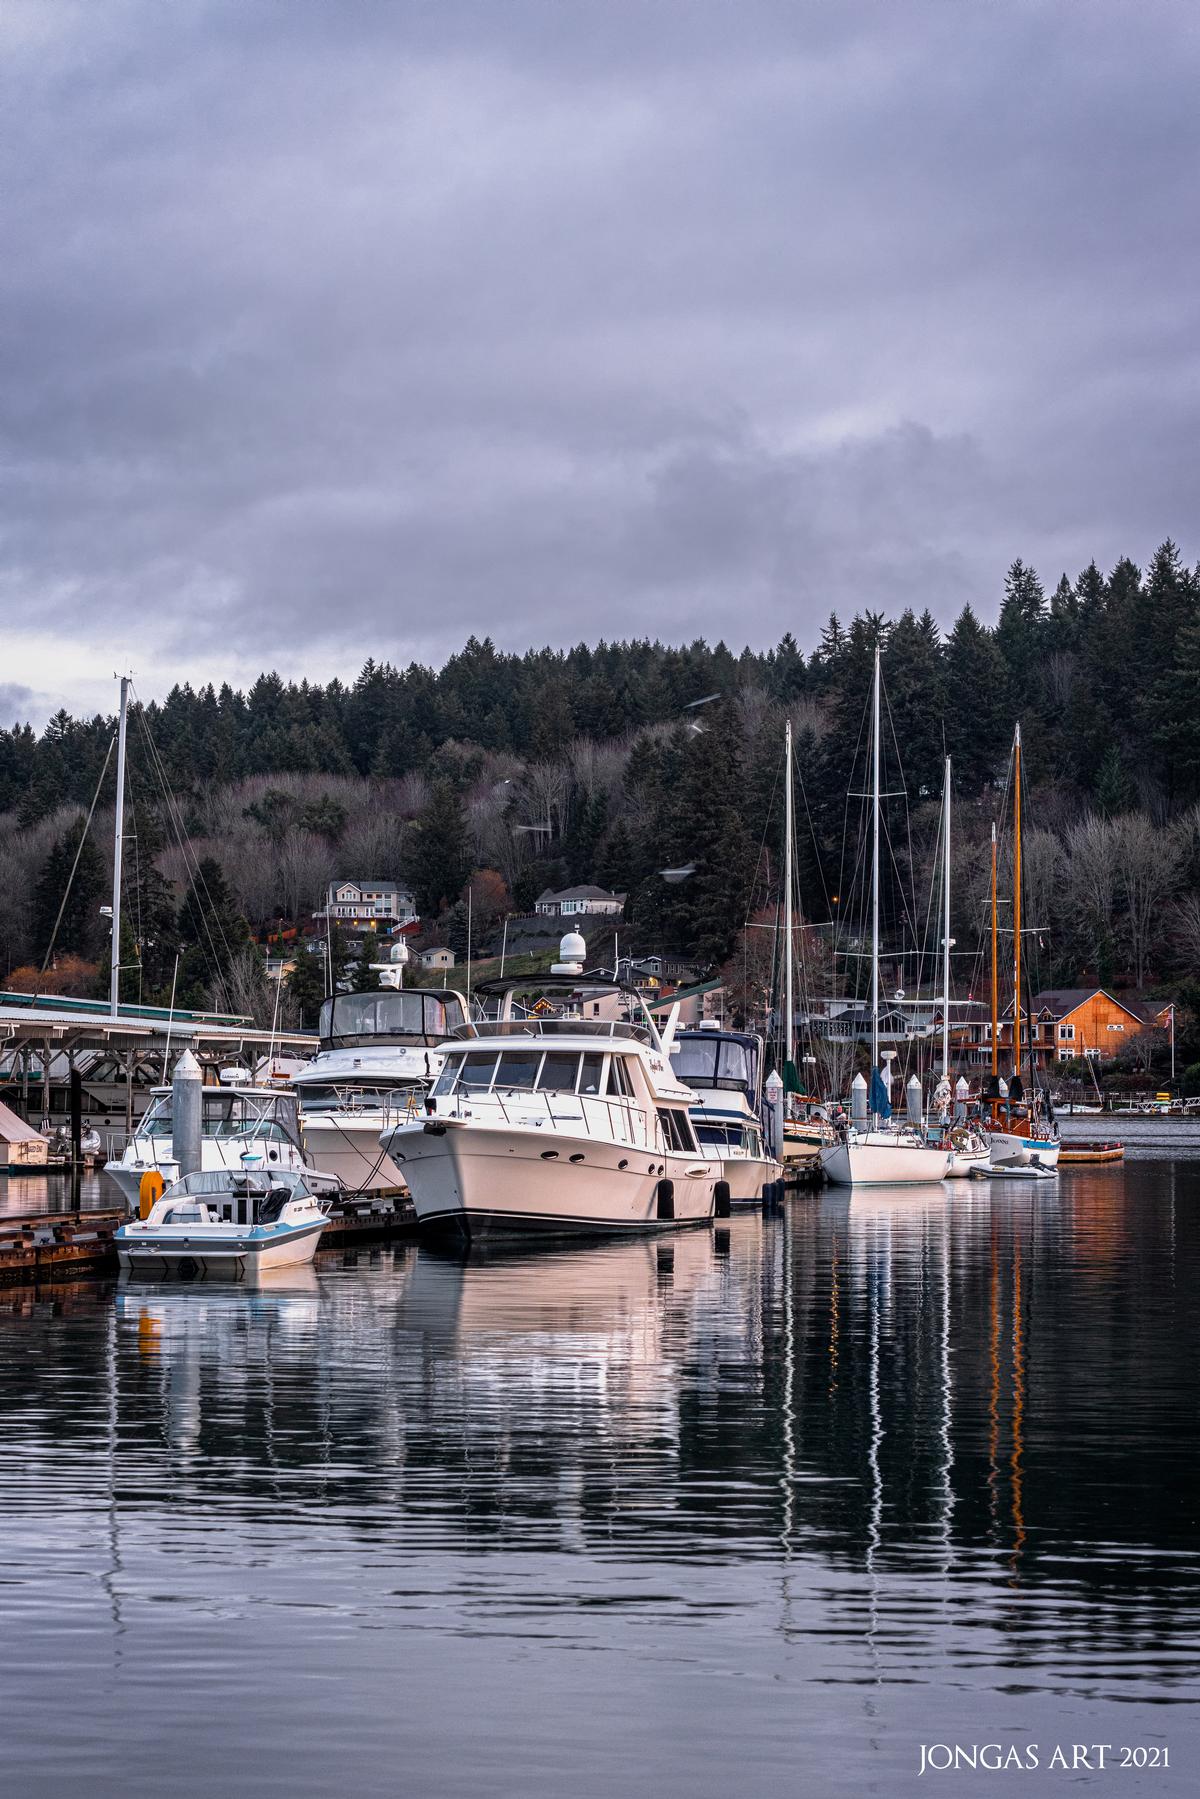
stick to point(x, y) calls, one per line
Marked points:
point(1061, 1000)
point(681, 993)
point(579, 893)
point(15, 1130)
point(375, 886)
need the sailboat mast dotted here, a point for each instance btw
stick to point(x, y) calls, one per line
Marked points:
point(995, 966)
point(1017, 901)
point(875, 867)
point(789, 831)
point(946, 923)
point(114, 985)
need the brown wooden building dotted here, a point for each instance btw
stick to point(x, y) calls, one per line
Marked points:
point(1066, 1022)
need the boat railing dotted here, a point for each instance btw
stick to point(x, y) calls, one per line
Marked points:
point(624, 1111)
point(518, 1028)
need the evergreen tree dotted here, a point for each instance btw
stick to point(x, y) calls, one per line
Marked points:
point(212, 934)
point(439, 852)
point(978, 721)
point(81, 928)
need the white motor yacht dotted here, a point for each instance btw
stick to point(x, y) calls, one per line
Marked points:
point(725, 1070)
point(559, 1123)
point(230, 1223)
point(242, 1127)
point(378, 1058)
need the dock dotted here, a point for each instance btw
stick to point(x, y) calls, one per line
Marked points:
point(39, 1248)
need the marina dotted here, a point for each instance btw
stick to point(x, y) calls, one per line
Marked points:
point(907, 1462)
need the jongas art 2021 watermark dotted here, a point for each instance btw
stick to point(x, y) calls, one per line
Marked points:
point(1023, 1758)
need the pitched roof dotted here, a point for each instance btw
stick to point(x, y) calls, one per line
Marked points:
point(580, 893)
point(1061, 1000)
point(14, 1129)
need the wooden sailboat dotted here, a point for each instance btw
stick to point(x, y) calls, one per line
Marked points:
point(878, 1152)
point(1020, 1137)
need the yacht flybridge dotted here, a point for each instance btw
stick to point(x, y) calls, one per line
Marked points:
point(378, 1057)
point(555, 1122)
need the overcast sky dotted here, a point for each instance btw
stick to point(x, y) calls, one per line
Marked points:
point(336, 328)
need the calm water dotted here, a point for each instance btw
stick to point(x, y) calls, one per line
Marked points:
point(750, 1514)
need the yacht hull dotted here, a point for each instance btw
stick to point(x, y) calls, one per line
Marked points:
point(1011, 1151)
point(483, 1181)
point(349, 1147)
point(870, 1163)
point(747, 1176)
point(964, 1162)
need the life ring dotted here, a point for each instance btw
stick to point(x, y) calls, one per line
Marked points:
point(150, 1190)
point(958, 1137)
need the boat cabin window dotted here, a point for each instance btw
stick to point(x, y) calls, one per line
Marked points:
point(713, 1061)
point(619, 1081)
point(676, 1130)
point(355, 1018)
point(518, 1069)
point(591, 1075)
point(560, 1071)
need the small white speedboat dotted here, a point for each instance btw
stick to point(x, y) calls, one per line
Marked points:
point(228, 1224)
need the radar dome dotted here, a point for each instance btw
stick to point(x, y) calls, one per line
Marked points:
point(571, 952)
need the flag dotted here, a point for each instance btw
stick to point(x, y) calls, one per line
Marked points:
point(880, 1104)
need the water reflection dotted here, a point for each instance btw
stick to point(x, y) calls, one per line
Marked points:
point(916, 1445)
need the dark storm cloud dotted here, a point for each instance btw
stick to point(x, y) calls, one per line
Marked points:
point(336, 330)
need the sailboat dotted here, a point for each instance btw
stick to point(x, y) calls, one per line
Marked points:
point(1026, 1138)
point(803, 1137)
point(873, 1151)
point(968, 1146)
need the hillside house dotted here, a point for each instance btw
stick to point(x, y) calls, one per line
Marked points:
point(1070, 1022)
point(580, 902)
point(368, 905)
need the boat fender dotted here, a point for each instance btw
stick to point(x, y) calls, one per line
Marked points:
point(721, 1200)
point(665, 1192)
point(150, 1189)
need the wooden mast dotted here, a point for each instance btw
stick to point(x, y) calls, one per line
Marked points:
point(995, 966)
point(1017, 902)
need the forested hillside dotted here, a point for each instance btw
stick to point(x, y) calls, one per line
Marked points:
point(598, 764)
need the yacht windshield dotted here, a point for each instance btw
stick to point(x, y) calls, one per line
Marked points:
point(413, 1016)
point(715, 1061)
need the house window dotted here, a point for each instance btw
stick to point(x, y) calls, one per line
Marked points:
point(1115, 1027)
point(1067, 1033)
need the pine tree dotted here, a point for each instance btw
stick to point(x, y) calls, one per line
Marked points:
point(80, 929)
point(212, 934)
point(439, 852)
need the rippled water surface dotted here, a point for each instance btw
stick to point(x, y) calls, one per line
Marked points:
point(750, 1513)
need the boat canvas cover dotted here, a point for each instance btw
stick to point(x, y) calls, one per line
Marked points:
point(15, 1130)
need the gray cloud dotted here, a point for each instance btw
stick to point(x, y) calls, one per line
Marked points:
point(335, 331)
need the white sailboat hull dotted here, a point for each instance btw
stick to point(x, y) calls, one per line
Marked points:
point(484, 1180)
point(876, 1159)
point(964, 1162)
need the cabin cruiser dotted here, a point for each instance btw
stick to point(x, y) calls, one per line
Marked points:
point(228, 1222)
point(242, 1127)
point(725, 1069)
point(378, 1057)
point(558, 1123)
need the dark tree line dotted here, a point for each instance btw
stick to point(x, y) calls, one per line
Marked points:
point(596, 764)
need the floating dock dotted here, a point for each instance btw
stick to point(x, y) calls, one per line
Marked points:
point(1076, 1154)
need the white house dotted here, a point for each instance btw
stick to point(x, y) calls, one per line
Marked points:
point(438, 957)
point(368, 904)
point(577, 902)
